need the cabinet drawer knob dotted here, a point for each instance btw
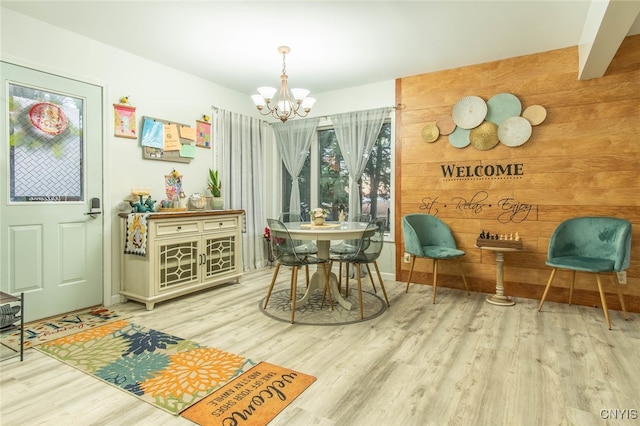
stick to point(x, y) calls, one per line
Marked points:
point(220, 224)
point(179, 228)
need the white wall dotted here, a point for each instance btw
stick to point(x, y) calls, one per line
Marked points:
point(156, 91)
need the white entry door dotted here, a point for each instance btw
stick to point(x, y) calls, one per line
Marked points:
point(51, 248)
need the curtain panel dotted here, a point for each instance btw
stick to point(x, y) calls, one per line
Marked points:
point(293, 139)
point(239, 146)
point(356, 133)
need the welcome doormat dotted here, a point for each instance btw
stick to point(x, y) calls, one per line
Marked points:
point(166, 371)
point(38, 332)
point(315, 312)
point(252, 399)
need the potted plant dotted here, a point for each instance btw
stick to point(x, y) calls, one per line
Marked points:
point(214, 187)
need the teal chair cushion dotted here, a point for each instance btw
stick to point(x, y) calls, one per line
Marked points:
point(578, 263)
point(438, 252)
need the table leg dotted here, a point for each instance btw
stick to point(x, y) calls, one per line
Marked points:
point(499, 298)
point(317, 280)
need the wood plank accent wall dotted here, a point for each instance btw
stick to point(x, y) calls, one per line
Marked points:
point(584, 159)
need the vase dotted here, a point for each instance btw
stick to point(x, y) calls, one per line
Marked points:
point(318, 221)
point(217, 203)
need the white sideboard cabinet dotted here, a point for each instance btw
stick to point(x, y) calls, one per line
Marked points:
point(185, 252)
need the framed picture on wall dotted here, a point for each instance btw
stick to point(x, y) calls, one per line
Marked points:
point(203, 134)
point(124, 117)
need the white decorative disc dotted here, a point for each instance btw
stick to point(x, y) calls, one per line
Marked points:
point(514, 131)
point(469, 112)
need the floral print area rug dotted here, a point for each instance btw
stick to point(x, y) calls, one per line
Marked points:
point(38, 332)
point(166, 371)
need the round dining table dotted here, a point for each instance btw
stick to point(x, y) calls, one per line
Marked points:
point(323, 235)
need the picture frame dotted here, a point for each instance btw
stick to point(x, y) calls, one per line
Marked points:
point(124, 121)
point(203, 134)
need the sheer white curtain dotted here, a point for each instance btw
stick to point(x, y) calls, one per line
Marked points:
point(293, 139)
point(356, 133)
point(240, 147)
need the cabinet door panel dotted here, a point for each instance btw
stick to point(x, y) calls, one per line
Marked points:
point(220, 252)
point(177, 263)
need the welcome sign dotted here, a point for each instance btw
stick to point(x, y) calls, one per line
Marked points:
point(252, 399)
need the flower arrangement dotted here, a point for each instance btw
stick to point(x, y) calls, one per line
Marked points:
point(267, 234)
point(318, 213)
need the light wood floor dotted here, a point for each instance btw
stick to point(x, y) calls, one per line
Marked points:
point(461, 361)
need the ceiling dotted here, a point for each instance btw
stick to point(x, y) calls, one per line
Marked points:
point(334, 44)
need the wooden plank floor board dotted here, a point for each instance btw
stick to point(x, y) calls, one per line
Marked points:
point(461, 361)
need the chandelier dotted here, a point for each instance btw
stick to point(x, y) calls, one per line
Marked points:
point(289, 102)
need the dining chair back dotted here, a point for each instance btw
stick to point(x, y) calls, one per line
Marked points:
point(302, 247)
point(593, 244)
point(348, 246)
point(427, 236)
point(285, 252)
point(366, 250)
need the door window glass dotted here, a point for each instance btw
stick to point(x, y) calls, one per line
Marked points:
point(46, 151)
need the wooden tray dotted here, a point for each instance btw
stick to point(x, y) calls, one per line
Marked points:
point(324, 226)
point(172, 209)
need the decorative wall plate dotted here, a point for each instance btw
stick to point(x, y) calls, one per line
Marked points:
point(430, 132)
point(535, 114)
point(469, 112)
point(459, 138)
point(502, 106)
point(446, 125)
point(485, 136)
point(48, 118)
point(514, 131)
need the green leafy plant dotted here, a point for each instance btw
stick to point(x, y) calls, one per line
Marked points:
point(214, 183)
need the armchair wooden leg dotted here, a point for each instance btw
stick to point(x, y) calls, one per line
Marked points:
point(413, 262)
point(294, 281)
point(359, 275)
point(573, 283)
point(464, 279)
point(307, 274)
point(346, 282)
point(327, 288)
point(371, 276)
point(620, 294)
point(273, 281)
point(384, 291)
point(435, 278)
point(604, 301)
point(546, 289)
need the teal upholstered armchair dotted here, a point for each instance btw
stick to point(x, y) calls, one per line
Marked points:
point(427, 236)
point(591, 244)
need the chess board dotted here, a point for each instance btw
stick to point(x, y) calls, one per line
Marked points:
point(488, 242)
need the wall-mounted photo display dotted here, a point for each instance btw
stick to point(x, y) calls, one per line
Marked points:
point(166, 140)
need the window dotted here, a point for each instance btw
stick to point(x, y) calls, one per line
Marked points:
point(332, 192)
